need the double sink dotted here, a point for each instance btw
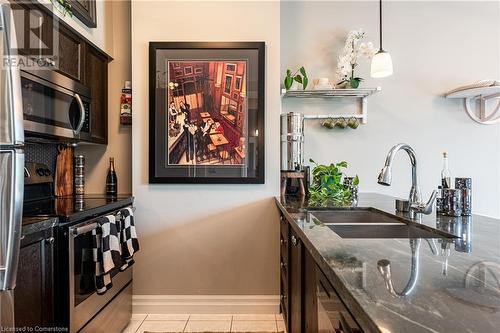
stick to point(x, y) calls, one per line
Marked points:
point(373, 223)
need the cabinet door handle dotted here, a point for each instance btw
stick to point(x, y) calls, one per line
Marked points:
point(283, 297)
point(50, 240)
point(283, 241)
point(282, 264)
point(294, 240)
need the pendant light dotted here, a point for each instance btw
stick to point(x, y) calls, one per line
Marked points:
point(381, 61)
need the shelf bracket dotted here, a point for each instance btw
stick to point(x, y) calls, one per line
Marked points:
point(480, 116)
point(364, 110)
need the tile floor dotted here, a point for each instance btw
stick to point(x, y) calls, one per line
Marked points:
point(205, 322)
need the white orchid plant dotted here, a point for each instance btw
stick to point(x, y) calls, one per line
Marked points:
point(348, 58)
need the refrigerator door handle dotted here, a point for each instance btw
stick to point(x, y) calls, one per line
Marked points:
point(14, 76)
point(13, 223)
point(7, 29)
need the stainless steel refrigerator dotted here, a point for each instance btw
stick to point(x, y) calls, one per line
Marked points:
point(11, 166)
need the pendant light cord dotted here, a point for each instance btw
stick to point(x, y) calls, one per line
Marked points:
point(380, 23)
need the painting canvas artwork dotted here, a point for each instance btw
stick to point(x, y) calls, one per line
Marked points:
point(206, 112)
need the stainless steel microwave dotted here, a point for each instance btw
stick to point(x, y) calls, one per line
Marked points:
point(55, 107)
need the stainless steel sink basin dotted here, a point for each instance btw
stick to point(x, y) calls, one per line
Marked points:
point(371, 223)
point(357, 215)
point(383, 231)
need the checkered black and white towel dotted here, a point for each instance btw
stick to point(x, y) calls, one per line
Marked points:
point(107, 252)
point(128, 238)
point(115, 242)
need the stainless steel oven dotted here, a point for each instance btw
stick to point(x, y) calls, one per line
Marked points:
point(55, 107)
point(88, 311)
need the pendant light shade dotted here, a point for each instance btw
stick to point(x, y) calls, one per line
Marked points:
point(381, 61)
point(381, 65)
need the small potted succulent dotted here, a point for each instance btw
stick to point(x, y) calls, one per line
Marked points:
point(299, 77)
point(349, 57)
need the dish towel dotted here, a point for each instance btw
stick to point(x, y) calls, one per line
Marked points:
point(107, 252)
point(128, 238)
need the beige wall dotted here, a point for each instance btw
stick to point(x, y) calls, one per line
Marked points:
point(436, 46)
point(119, 136)
point(205, 239)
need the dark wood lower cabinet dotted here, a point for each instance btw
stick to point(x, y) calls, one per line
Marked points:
point(309, 302)
point(295, 280)
point(34, 293)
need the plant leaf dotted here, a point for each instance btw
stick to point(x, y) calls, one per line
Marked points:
point(303, 71)
point(298, 78)
point(288, 82)
point(305, 81)
point(355, 181)
point(288, 72)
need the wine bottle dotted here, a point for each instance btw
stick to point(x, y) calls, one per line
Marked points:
point(445, 173)
point(111, 180)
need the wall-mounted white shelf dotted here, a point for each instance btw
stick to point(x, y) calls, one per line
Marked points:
point(361, 94)
point(482, 95)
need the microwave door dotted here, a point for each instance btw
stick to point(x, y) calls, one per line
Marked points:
point(11, 113)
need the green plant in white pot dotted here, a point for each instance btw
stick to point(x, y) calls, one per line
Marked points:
point(349, 57)
point(300, 76)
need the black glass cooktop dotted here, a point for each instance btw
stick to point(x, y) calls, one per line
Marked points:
point(73, 208)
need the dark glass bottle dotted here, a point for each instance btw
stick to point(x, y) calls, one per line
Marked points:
point(111, 180)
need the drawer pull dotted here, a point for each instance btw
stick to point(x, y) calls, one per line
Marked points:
point(282, 264)
point(283, 241)
point(294, 240)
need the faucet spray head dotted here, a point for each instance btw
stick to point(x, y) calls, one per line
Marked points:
point(385, 176)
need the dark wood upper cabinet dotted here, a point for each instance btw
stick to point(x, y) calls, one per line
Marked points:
point(85, 11)
point(34, 293)
point(34, 30)
point(69, 56)
point(96, 78)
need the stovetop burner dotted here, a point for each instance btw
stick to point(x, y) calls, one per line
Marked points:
point(74, 208)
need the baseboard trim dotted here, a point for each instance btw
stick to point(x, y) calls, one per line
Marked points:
point(205, 304)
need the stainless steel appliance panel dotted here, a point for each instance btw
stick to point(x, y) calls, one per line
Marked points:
point(11, 115)
point(292, 141)
point(84, 301)
point(11, 203)
point(55, 110)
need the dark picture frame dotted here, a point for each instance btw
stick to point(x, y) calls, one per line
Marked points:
point(198, 131)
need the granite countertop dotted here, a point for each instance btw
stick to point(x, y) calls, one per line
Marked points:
point(462, 296)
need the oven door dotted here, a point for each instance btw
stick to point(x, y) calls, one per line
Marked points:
point(84, 301)
point(50, 110)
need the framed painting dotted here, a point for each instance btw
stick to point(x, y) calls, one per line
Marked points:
point(199, 130)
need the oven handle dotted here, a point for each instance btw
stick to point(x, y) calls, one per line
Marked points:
point(82, 114)
point(84, 229)
point(76, 231)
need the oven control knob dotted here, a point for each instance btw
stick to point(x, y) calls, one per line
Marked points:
point(46, 172)
point(40, 172)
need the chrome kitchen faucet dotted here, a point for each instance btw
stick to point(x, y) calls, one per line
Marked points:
point(415, 203)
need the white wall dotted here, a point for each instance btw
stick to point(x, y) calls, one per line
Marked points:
point(205, 239)
point(436, 46)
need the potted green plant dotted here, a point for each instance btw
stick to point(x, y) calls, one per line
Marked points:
point(327, 187)
point(300, 76)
